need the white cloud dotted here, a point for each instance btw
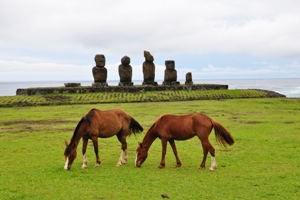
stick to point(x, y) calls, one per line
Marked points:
point(265, 28)
point(65, 35)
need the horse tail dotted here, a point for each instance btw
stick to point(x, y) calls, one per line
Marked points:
point(223, 137)
point(134, 126)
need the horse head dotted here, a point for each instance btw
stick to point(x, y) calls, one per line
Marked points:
point(70, 155)
point(141, 155)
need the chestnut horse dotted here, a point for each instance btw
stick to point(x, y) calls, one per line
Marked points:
point(101, 124)
point(170, 127)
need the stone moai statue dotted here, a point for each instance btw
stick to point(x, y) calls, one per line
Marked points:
point(188, 79)
point(148, 69)
point(99, 71)
point(125, 72)
point(170, 73)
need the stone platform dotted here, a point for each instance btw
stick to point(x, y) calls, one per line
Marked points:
point(138, 88)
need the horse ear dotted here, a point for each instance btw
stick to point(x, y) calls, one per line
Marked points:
point(66, 143)
point(140, 144)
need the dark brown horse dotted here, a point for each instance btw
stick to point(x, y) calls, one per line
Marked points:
point(170, 127)
point(101, 124)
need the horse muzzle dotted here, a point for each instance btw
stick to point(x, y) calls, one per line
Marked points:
point(67, 165)
point(138, 164)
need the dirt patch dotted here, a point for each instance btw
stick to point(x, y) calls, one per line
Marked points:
point(289, 122)
point(38, 122)
point(245, 122)
point(30, 126)
point(248, 122)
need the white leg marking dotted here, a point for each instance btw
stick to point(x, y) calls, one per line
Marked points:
point(122, 156)
point(125, 156)
point(66, 165)
point(84, 164)
point(213, 164)
point(120, 159)
point(135, 159)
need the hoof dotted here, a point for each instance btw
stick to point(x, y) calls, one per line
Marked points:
point(201, 167)
point(161, 166)
point(83, 166)
point(97, 164)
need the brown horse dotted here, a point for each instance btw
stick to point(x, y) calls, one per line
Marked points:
point(101, 124)
point(170, 127)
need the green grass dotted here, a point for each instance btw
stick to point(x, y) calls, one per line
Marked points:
point(264, 162)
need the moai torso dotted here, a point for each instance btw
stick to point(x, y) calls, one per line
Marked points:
point(99, 71)
point(149, 69)
point(170, 73)
point(125, 72)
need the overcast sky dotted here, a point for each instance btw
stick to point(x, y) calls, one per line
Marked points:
point(229, 39)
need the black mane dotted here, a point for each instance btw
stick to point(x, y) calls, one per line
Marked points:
point(88, 117)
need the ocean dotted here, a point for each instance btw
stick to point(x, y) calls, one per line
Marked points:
point(290, 87)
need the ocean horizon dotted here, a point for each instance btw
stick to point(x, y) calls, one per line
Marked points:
point(290, 87)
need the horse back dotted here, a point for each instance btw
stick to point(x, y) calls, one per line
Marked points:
point(106, 123)
point(181, 127)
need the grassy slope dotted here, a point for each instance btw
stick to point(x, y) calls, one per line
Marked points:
point(125, 97)
point(264, 163)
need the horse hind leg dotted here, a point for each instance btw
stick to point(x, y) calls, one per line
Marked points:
point(202, 165)
point(207, 147)
point(213, 163)
point(211, 150)
point(96, 150)
point(124, 155)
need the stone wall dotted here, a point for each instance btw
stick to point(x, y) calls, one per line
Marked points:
point(87, 89)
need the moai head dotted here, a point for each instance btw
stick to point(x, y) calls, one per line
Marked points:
point(100, 60)
point(170, 64)
point(148, 56)
point(125, 61)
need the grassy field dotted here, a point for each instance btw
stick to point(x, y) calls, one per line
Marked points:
point(264, 162)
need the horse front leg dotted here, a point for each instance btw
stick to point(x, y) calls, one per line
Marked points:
point(84, 145)
point(178, 162)
point(163, 153)
point(95, 143)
